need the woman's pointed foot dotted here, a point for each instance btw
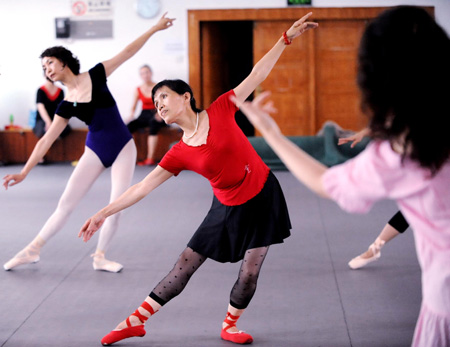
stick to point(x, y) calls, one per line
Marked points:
point(100, 263)
point(372, 254)
point(28, 255)
point(239, 337)
point(118, 335)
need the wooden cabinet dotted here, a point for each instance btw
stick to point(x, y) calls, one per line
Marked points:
point(315, 78)
point(16, 146)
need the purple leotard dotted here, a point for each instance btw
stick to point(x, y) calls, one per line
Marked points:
point(108, 133)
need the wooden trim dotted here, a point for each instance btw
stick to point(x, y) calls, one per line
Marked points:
point(312, 83)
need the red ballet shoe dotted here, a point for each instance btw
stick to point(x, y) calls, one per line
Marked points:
point(239, 337)
point(118, 335)
point(146, 162)
point(132, 331)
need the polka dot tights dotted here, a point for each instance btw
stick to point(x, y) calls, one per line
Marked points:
point(189, 261)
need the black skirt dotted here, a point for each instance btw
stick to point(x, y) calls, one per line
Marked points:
point(228, 231)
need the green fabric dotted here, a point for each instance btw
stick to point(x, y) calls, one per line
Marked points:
point(323, 147)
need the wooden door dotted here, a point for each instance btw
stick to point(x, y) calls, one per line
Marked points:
point(315, 79)
point(335, 59)
point(290, 81)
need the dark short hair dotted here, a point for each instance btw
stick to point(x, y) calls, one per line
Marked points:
point(178, 86)
point(404, 74)
point(64, 56)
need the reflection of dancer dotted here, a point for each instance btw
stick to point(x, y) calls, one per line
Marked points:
point(396, 225)
point(108, 144)
point(248, 212)
point(409, 160)
point(148, 117)
point(47, 100)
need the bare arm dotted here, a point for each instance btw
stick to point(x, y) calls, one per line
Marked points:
point(44, 115)
point(133, 108)
point(263, 67)
point(307, 169)
point(112, 64)
point(134, 194)
point(41, 148)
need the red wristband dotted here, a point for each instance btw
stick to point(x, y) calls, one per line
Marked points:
point(286, 39)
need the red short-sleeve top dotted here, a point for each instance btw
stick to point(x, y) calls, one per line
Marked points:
point(228, 160)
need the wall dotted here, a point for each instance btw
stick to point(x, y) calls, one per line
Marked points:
point(27, 28)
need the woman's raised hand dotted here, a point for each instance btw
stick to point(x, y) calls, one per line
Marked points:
point(300, 26)
point(164, 22)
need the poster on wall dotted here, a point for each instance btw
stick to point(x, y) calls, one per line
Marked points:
point(91, 8)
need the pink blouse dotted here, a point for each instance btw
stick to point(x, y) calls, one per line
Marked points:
point(378, 173)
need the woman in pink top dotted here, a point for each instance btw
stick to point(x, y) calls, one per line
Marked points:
point(248, 213)
point(403, 76)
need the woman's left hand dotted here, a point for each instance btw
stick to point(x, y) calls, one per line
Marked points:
point(300, 26)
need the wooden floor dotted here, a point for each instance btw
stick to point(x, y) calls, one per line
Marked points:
point(306, 296)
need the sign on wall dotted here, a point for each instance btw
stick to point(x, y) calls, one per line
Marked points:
point(91, 8)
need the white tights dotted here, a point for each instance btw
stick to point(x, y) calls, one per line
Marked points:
point(88, 169)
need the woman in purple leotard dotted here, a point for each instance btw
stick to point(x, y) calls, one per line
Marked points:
point(108, 144)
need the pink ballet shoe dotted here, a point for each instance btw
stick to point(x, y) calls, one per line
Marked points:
point(100, 263)
point(26, 258)
point(118, 335)
point(359, 262)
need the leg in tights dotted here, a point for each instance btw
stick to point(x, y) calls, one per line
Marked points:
point(245, 286)
point(170, 286)
point(177, 279)
point(88, 169)
point(121, 175)
point(85, 173)
point(243, 291)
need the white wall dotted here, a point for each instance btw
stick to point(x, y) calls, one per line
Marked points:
point(27, 28)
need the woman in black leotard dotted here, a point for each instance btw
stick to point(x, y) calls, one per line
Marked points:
point(108, 144)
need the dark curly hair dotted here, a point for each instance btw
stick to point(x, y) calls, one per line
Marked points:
point(404, 74)
point(178, 86)
point(64, 56)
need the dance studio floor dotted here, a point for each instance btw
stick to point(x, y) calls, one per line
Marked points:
point(306, 296)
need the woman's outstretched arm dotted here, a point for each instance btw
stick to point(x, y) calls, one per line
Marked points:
point(112, 64)
point(134, 194)
point(307, 169)
point(41, 148)
point(263, 67)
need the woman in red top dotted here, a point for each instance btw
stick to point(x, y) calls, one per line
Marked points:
point(47, 100)
point(248, 212)
point(148, 117)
